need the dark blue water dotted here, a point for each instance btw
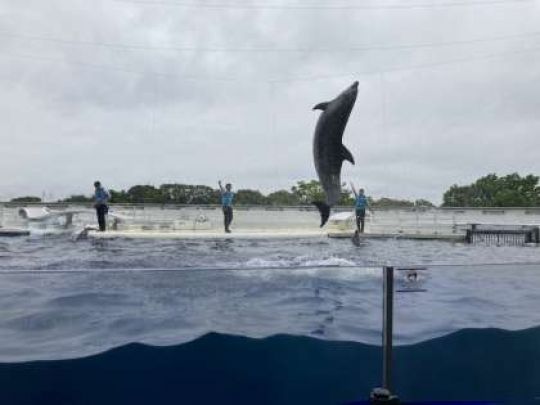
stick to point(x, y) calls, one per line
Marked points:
point(223, 369)
point(61, 299)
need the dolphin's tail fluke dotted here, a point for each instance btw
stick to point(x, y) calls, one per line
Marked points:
point(324, 209)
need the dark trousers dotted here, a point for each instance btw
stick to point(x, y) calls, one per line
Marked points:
point(101, 211)
point(227, 217)
point(360, 217)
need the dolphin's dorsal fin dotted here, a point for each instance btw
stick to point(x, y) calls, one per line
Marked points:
point(321, 106)
point(346, 154)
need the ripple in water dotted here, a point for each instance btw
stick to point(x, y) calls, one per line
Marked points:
point(62, 299)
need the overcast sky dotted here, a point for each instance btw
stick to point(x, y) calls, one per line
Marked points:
point(192, 91)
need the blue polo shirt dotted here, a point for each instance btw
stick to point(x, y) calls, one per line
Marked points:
point(101, 196)
point(361, 202)
point(227, 198)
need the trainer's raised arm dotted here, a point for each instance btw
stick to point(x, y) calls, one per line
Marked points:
point(353, 189)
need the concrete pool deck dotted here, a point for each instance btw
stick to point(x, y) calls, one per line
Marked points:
point(209, 234)
point(265, 234)
point(417, 236)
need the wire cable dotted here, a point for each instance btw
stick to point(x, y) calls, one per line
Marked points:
point(278, 80)
point(358, 48)
point(323, 7)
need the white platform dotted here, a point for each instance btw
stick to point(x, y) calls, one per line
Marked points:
point(241, 234)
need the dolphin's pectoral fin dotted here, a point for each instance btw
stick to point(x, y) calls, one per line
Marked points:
point(321, 106)
point(346, 154)
point(324, 210)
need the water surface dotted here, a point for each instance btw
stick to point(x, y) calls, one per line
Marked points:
point(61, 299)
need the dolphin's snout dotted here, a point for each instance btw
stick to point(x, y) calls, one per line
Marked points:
point(355, 84)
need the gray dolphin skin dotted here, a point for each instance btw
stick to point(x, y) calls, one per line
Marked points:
point(328, 149)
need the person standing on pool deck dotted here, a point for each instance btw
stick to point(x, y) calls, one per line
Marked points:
point(101, 198)
point(227, 197)
point(361, 204)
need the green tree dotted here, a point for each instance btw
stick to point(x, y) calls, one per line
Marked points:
point(26, 199)
point(282, 197)
point(200, 194)
point(77, 198)
point(175, 193)
point(493, 191)
point(250, 197)
point(188, 194)
point(386, 202)
point(347, 197)
point(144, 194)
point(118, 197)
point(423, 203)
point(307, 192)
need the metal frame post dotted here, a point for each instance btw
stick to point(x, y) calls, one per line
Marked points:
point(383, 395)
point(388, 321)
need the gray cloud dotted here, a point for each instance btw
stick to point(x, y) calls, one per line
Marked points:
point(135, 93)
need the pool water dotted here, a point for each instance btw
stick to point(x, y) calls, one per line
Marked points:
point(61, 298)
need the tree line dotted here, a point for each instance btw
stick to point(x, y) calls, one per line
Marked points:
point(511, 190)
point(302, 193)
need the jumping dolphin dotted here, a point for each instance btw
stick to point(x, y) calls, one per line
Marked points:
point(328, 151)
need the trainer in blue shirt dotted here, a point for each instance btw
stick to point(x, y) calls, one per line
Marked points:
point(101, 198)
point(361, 204)
point(227, 197)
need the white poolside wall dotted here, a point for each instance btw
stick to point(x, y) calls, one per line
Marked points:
point(422, 221)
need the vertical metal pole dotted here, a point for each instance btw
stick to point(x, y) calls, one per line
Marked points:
point(388, 314)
